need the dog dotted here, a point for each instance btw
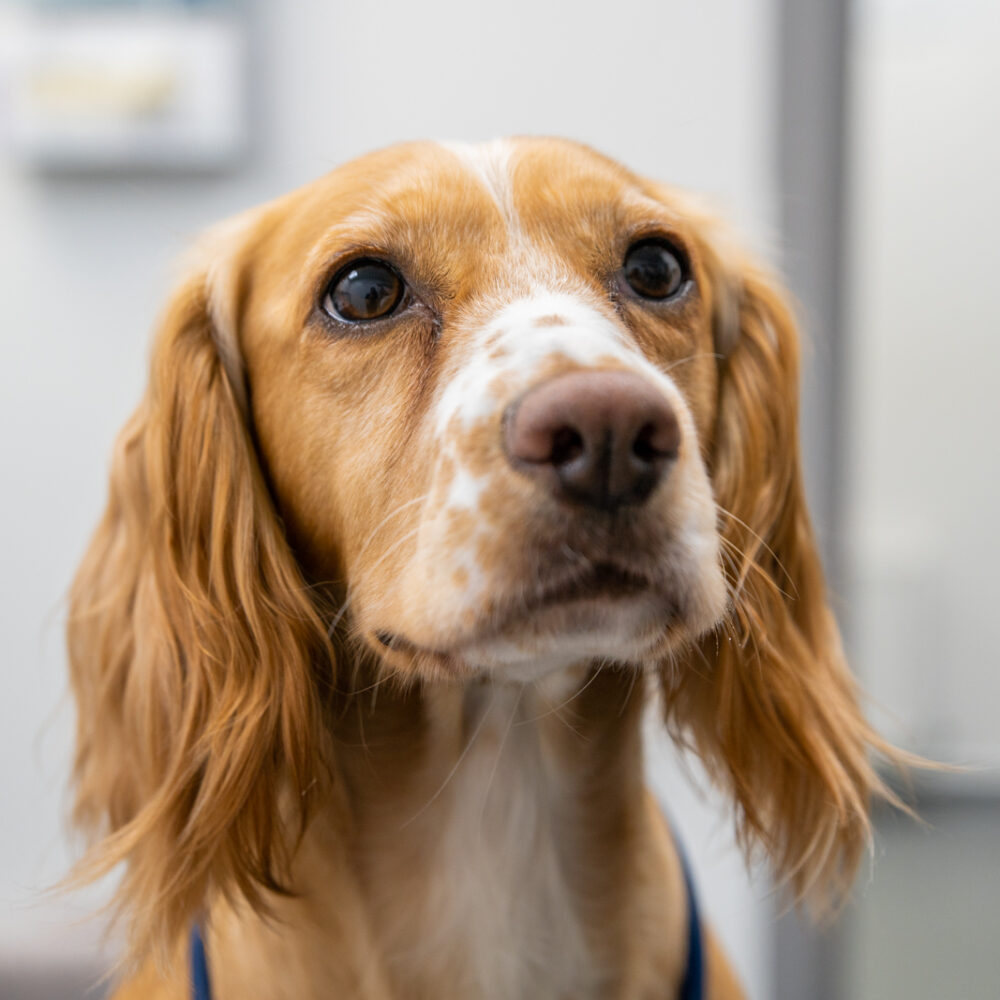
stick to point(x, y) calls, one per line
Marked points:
point(449, 462)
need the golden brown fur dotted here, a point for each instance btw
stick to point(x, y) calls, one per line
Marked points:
point(292, 788)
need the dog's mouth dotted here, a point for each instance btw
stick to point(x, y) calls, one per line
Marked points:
point(565, 601)
point(602, 580)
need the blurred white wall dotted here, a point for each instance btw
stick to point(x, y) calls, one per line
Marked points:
point(681, 91)
point(924, 410)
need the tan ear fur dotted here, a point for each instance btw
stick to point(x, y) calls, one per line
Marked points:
point(193, 644)
point(768, 700)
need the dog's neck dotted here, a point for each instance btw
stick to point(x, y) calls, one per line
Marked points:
point(493, 837)
point(499, 813)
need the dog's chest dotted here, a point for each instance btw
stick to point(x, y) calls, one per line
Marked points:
point(490, 900)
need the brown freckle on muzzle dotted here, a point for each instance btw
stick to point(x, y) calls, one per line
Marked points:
point(445, 473)
point(552, 319)
point(463, 526)
point(499, 387)
point(478, 446)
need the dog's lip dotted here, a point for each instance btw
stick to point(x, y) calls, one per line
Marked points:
point(604, 580)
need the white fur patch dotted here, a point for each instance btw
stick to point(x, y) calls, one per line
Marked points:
point(502, 910)
point(490, 163)
point(512, 347)
point(465, 490)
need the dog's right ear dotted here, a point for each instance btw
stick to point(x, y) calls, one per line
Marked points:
point(194, 644)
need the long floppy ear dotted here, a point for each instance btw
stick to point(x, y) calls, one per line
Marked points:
point(193, 642)
point(768, 699)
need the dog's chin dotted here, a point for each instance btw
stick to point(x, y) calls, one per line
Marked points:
point(627, 630)
point(620, 630)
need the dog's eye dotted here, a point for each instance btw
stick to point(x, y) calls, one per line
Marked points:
point(363, 290)
point(655, 269)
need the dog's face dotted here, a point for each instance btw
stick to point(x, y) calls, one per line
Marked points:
point(483, 382)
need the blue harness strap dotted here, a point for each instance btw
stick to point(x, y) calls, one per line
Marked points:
point(692, 985)
point(201, 985)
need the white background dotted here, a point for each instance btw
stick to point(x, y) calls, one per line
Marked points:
point(923, 407)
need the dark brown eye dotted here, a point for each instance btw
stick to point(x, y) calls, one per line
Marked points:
point(654, 269)
point(363, 290)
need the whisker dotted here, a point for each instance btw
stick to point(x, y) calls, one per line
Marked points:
point(771, 552)
point(378, 682)
point(352, 589)
point(385, 555)
point(338, 616)
point(691, 357)
point(364, 548)
point(576, 694)
point(743, 566)
point(631, 688)
point(454, 769)
point(499, 754)
point(393, 513)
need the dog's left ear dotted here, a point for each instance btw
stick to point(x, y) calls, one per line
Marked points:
point(767, 699)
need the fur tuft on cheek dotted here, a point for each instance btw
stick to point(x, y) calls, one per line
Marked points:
point(767, 700)
point(194, 647)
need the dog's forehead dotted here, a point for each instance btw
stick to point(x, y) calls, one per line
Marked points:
point(480, 195)
point(530, 178)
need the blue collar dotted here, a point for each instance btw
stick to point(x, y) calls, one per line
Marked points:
point(201, 985)
point(692, 985)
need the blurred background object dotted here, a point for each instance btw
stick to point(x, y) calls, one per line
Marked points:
point(922, 407)
point(854, 145)
point(156, 86)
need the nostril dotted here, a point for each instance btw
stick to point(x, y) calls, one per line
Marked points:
point(567, 445)
point(654, 441)
point(642, 447)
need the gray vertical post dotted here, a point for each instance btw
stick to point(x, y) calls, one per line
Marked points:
point(811, 166)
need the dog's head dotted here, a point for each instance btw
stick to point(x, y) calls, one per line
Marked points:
point(483, 383)
point(490, 410)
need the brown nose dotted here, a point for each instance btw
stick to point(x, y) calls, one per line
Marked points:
point(601, 439)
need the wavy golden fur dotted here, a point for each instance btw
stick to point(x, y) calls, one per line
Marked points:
point(268, 490)
point(197, 654)
point(772, 710)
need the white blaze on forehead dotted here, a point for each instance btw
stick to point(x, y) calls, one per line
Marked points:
point(490, 163)
point(517, 342)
